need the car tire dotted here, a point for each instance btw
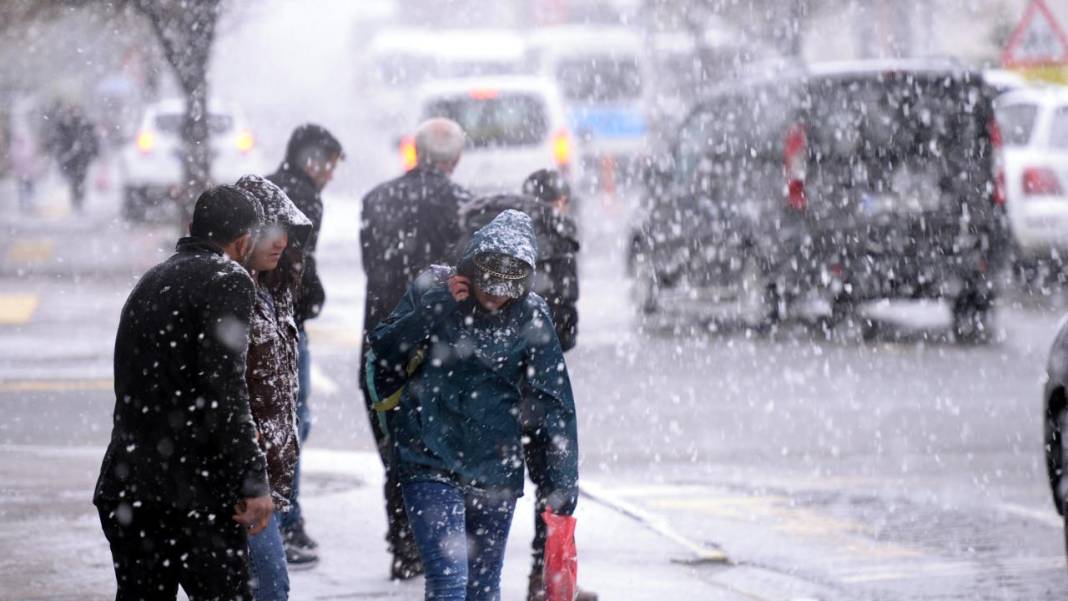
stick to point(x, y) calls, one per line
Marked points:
point(846, 320)
point(971, 318)
point(645, 286)
point(761, 301)
point(134, 201)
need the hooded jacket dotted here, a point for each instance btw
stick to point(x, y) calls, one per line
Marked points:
point(272, 353)
point(183, 436)
point(303, 193)
point(556, 277)
point(457, 419)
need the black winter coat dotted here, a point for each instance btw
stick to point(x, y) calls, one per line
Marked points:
point(183, 434)
point(556, 277)
point(300, 188)
point(408, 224)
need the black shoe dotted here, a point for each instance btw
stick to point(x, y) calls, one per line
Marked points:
point(405, 568)
point(300, 559)
point(298, 537)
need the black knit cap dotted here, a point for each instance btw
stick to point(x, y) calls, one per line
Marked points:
point(310, 135)
point(546, 185)
point(502, 275)
point(224, 214)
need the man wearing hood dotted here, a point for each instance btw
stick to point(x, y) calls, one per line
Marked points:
point(183, 481)
point(489, 345)
point(407, 225)
point(272, 376)
point(311, 156)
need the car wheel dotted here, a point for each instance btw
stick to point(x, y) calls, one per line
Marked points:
point(133, 204)
point(646, 285)
point(846, 321)
point(760, 301)
point(971, 318)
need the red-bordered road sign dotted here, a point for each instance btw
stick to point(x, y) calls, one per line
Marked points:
point(1038, 41)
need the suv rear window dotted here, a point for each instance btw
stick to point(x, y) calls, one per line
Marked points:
point(1017, 123)
point(599, 79)
point(172, 124)
point(1058, 130)
point(496, 119)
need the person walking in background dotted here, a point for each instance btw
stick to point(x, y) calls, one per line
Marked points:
point(183, 482)
point(271, 374)
point(407, 224)
point(74, 143)
point(545, 199)
point(311, 156)
point(489, 346)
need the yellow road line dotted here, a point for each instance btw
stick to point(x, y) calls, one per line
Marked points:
point(17, 309)
point(55, 385)
point(31, 251)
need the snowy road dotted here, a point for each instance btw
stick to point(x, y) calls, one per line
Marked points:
point(829, 470)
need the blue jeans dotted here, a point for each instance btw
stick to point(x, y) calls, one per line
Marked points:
point(461, 538)
point(293, 517)
point(267, 564)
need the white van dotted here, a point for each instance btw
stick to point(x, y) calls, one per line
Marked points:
point(515, 125)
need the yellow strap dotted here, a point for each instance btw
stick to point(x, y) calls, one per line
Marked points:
point(393, 400)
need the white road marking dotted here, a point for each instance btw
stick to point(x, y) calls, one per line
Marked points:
point(1042, 517)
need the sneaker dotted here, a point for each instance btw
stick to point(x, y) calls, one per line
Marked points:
point(405, 568)
point(300, 559)
point(298, 537)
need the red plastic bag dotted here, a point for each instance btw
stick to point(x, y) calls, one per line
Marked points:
point(561, 558)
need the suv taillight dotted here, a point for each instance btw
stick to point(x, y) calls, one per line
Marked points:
point(245, 141)
point(562, 148)
point(146, 141)
point(408, 155)
point(795, 166)
point(1040, 181)
point(994, 131)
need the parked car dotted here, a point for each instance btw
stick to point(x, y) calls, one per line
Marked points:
point(845, 183)
point(1055, 417)
point(515, 125)
point(150, 166)
point(1034, 127)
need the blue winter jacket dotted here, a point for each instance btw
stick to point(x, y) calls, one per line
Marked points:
point(457, 419)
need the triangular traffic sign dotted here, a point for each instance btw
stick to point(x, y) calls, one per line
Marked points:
point(1037, 41)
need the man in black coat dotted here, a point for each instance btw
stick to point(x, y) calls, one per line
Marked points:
point(183, 480)
point(408, 224)
point(311, 156)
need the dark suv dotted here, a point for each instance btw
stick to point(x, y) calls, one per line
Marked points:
point(844, 183)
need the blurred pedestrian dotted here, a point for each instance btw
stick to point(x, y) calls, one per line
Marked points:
point(75, 144)
point(545, 199)
point(271, 374)
point(183, 482)
point(408, 224)
point(25, 165)
point(312, 155)
point(488, 343)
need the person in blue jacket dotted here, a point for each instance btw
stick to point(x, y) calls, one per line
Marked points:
point(484, 343)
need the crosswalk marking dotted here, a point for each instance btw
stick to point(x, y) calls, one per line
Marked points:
point(17, 309)
point(31, 250)
point(55, 385)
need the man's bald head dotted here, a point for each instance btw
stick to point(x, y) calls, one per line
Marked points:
point(439, 142)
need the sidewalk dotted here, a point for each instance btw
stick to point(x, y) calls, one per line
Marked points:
point(51, 547)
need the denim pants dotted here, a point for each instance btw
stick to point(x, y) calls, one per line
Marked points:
point(293, 517)
point(461, 538)
point(267, 560)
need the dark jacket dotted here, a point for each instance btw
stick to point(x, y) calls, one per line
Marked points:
point(272, 353)
point(300, 188)
point(407, 225)
point(457, 421)
point(183, 435)
point(74, 142)
point(556, 278)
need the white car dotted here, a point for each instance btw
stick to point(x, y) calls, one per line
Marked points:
point(150, 167)
point(1034, 131)
point(399, 60)
point(515, 125)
